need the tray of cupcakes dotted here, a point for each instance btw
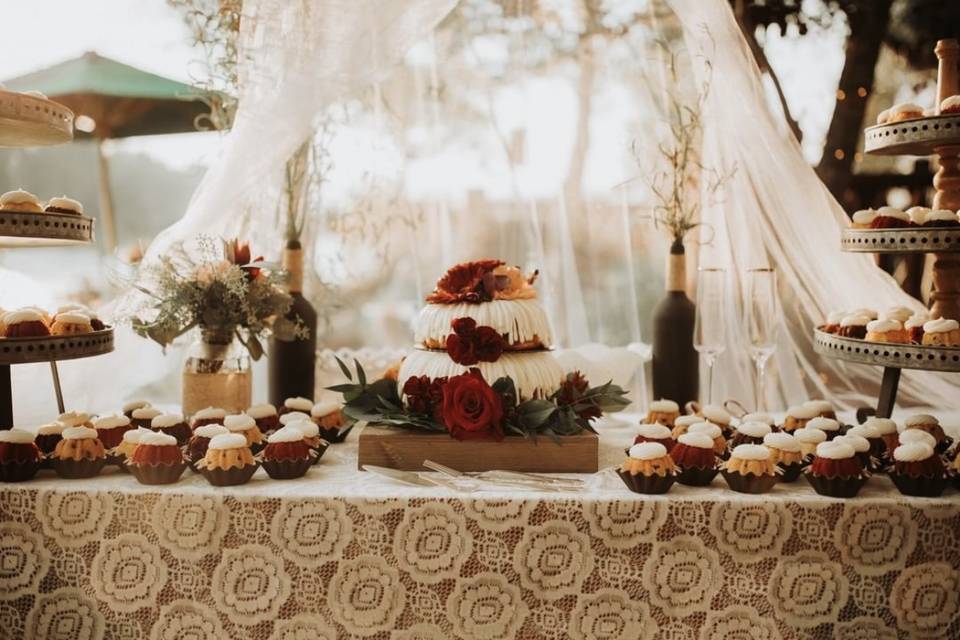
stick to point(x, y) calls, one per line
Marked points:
point(888, 229)
point(753, 453)
point(911, 129)
point(27, 221)
point(30, 118)
point(32, 334)
point(899, 338)
point(156, 447)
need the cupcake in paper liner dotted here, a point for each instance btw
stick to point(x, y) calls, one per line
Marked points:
point(930, 425)
point(786, 454)
point(228, 461)
point(715, 414)
point(247, 427)
point(172, 424)
point(750, 469)
point(836, 471)
point(877, 445)
point(715, 433)
point(797, 417)
point(695, 457)
point(266, 417)
point(654, 432)
point(334, 426)
point(143, 416)
point(829, 426)
point(750, 432)
point(887, 430)
point(809, 439)
point(210, 415)
point(48, 436)
point(80, 454)
point(19, 455)
point(648, 469)
point(664, 412)
point(124, 451)
point(918, 470)
point(157, 459)
point(196, 449)
point(287, 455)
point(311, 435)
point(682, 424)
point(862, 446)
point(110, 429)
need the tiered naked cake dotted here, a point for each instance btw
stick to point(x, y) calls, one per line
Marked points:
point(481, 390)
point(471, 300)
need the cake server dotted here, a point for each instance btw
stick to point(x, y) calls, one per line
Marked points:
point(406, 477)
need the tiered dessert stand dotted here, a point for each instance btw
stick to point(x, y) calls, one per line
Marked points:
point(27, 120)
point(936, 135)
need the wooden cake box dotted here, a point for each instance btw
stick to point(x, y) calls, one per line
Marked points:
point(406, 450)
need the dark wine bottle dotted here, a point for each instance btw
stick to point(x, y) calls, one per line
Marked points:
point(676, 366)
point(292, 359)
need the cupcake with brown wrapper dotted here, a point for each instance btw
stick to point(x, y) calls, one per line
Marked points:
point(300, 404)
point(911, 436)
point(172, 424)
point(694, 456)
point(715, 433)
point(664, 412)
point(750, 469)
point(648, 469)
point(918, 470)
point(311, 435)
point(808, 438)
point(868, 431)
point(891, 218)
point(157, 459)
point(655, 433)
point(132, 406)
point(228, 461)
point(266, 417)
point(932, 426)
point(682, 424)
point(48, 435)
point(836, 471)
point(110, 429)
point(333, 424)
point(19, 455)
point(831, 427)
point(749, 433)
point(247, 427)
point(786, 454)
point(719, 416)
point(143, 416)
point(197, 447)
point(25, 323)
point(209, 415)
point(862, 446)
point(287, 455)
point(124, 451)
point(798, 416)
point(80, 454)
point(887, 430)
point(941, 218)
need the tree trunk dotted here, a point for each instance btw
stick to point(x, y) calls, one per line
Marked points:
point(867, 30)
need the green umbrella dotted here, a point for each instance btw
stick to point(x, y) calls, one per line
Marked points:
point(114, 100)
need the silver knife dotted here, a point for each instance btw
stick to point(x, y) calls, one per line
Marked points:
point(406, 477)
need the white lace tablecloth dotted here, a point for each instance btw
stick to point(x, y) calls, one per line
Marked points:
point(343, 554)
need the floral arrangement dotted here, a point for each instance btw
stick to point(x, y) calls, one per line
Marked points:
point(223, 291)
point(483, 281)
point(468, 407)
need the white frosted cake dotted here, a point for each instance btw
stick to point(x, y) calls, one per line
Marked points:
point(485, 315)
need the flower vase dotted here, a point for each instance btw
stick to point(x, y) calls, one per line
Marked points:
point(217, 373)
point(675, 361)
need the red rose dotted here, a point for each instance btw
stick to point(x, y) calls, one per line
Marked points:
point(488, 344)
point(462, 350)
point(464, 326)
point(424, 395)
point(472, 410)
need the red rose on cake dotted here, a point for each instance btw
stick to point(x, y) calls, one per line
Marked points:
point(470, 344)
point(471, 409)
point(425, 395)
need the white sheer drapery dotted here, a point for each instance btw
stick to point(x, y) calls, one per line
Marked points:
point(775, 212)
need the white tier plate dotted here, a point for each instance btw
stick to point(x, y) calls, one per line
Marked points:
point(917, 137)
point(49, 348)
point(885, 354)
point(520, 320)
point(43, 229)
point(534, 373)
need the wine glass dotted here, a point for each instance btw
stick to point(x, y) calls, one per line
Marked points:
point(709, 328)
point(762, 323)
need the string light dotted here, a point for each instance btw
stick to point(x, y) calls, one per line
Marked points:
point(839, 154)
point(862, 92)
point(841, 95)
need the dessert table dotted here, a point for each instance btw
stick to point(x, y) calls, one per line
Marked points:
point(346, 554)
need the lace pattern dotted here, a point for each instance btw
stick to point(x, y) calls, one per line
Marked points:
point(342, 554)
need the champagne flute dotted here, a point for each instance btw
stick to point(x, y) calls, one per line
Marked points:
point(709, 328)
point(762, 324)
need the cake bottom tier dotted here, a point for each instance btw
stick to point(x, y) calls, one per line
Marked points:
point(536, 374)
